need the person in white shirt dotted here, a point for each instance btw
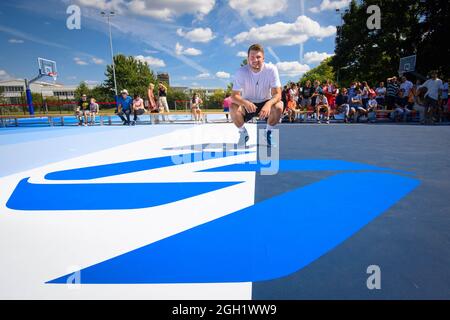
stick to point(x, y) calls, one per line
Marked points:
point(433, 86)
point(381, 93)
point(322, 104)
point(256, 92)
point(405, 88)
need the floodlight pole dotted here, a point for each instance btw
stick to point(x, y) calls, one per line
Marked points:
point(108, 16)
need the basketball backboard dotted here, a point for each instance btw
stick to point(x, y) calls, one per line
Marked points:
point(407, 64)
point(47, 68)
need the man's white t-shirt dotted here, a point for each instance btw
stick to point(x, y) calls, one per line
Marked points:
point(324, 100)
point(433, 87)
point(256, 87)
point(406, 87)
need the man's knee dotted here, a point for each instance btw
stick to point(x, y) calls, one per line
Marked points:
point(278, 106)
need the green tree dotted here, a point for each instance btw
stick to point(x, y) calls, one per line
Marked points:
point(407, 27)
point(80, 90)
point(324, 71)
point(244, 62)
point(215, 101)
point(131, 74)
point(175, 95)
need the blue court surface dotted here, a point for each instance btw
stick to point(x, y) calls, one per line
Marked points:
point(177, 211)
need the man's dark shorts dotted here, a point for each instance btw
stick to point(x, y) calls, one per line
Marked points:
point(249, 116)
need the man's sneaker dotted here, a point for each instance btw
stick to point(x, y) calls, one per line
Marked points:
point(267, 139)
point(243, 138)
point(328, 121)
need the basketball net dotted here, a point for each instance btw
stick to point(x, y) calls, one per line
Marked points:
point(53, 75)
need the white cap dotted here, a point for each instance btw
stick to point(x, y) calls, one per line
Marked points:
point(124, 91)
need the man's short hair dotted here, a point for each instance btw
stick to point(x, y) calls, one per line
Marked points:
point(255, 47)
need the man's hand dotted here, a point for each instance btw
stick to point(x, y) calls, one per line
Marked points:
point(265, 111)
point(250, 107)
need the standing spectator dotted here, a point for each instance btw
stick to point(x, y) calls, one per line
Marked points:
point(227, 104)
point(391, 92)
point(124, 104)
point(284, 96)
point(162, 99)
point(82, 110)
point(93, 110)
point(444, 98)
point(307, 92)
point(152, 106)
point(381, 93)
point(433, 86)
point(365, 94)
point(405, 88)
point(138, 107)
point(316, 91)
point(330, 93)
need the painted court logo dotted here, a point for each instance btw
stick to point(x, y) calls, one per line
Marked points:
point(267, 240)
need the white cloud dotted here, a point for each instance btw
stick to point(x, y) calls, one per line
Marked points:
point(80, 62)
point(292, 68)
point(4, 75)
point(228, 40)
point(15, 41)
point(286, 34)
point(158, 9)
point(315, 57)
point(179, 50)
point(259, 8)
point(197, 35)
point(222, 75)
point(98, 60)
point(203, 75)
point(151, 61)
point(91, 82)
point(242, 54)
point(330, 5)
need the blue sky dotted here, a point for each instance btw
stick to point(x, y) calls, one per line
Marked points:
point(196, 41)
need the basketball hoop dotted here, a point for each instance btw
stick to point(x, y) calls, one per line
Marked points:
point(54, 75)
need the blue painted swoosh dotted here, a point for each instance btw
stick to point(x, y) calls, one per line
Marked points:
point(301, 165)
point(113, 169)
point(268, 240)
point(105, 196)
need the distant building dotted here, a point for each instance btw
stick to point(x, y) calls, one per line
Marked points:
point(163, 77)
point(12, 90)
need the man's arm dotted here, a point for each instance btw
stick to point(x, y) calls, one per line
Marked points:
point(237, 99)
point(276, 97)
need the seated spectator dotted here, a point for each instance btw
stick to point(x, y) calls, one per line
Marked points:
point(372, 106)
point(138, 107)
point(357, 104)
point(195, 107)
point(419, 103)
point(291, 106)
point(342, 104)
point(93, 111)
point(82, 110)
point(124, 104)
point(322, 104)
